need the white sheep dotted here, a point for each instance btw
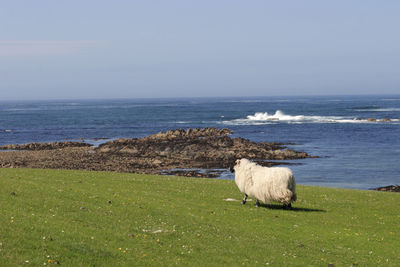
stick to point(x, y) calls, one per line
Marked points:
point(266, 184)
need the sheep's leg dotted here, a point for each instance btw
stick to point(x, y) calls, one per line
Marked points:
point(244, 199)
point(257, 203)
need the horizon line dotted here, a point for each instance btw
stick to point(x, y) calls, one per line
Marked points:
point(196, 97)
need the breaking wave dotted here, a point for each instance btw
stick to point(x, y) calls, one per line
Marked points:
point(261, 118)
point(378, 109)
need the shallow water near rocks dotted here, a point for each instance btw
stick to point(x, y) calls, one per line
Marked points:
point(355, 151)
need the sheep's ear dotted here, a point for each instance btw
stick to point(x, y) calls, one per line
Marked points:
point(238, 162)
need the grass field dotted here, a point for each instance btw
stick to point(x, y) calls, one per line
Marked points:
point(83, 218)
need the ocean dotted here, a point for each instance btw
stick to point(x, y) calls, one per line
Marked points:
point(354, 151)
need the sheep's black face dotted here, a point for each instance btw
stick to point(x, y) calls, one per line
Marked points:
point(232, 169)
point(236, 163)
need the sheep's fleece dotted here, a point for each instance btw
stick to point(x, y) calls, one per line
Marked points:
point(266, 184)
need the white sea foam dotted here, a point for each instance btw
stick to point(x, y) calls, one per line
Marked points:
point(261, 118)
point(279, 115)
point(378, 109)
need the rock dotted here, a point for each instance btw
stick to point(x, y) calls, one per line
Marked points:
point(197, 148)
point(207, 148)
point(44, 146)
point(157, 162)
point(104, 149)
point(389, 188)
point(191, 173)
point(371, 119)
point(129, 150)
point(97, 138)
point(385, 120)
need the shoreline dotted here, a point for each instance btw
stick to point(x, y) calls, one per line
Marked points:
point(202, 153)
point(170, 152)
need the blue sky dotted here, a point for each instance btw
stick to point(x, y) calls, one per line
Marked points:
point(134, 49)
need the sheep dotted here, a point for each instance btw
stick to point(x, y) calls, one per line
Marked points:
point(265, 184)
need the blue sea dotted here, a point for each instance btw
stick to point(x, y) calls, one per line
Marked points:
point(354, 152)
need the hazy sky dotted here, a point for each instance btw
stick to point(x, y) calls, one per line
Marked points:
point(169, 48)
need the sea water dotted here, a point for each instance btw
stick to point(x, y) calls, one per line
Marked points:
point(354, 152)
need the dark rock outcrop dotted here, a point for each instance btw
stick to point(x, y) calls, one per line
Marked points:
point(207, 148)
point(197, 148)
point(389, 188)
point(44, 146)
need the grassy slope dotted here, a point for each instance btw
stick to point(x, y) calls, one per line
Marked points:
point(66, 216)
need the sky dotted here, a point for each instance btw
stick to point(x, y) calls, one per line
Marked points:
point(169, 48)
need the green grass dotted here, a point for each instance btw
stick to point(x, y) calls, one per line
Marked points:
point(82, 218)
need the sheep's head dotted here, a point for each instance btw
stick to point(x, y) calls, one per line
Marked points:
point(231, 168)
point(237, 163)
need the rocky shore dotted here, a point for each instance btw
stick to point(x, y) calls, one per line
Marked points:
point(44, 146)
point(389, 188)
point(170, 152)
point(196, 152)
